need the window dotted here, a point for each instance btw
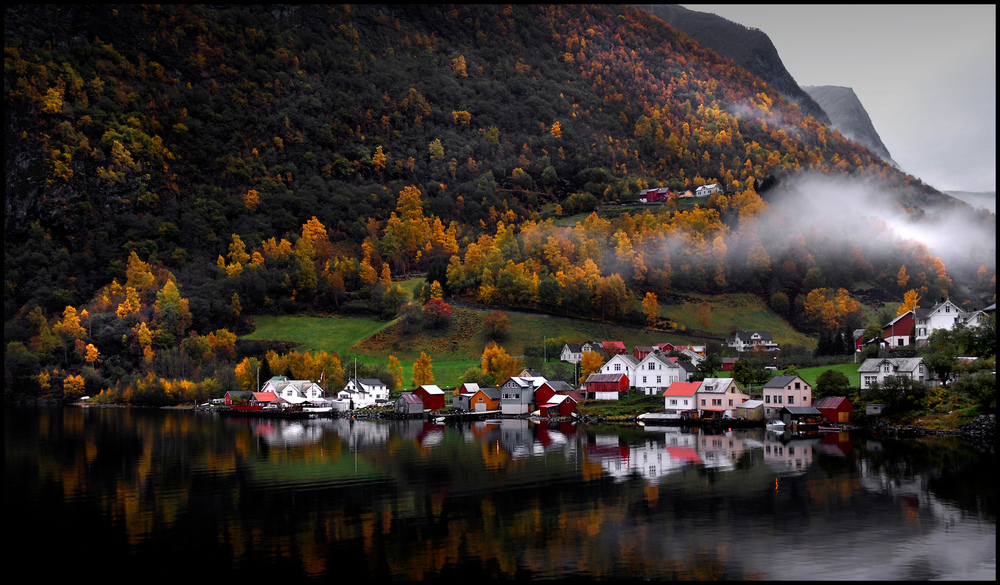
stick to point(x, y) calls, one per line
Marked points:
point(673, 402)
point(730, 402)
point(703, 402)
point(777, 399)
point(791, 399)
point(798, 386)
point(651, 367)
point(657, 379)
point(618, 367)
point(885, 368)
point(767, 399)
point(644, 379)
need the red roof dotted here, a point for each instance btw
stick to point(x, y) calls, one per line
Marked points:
point(682, 389)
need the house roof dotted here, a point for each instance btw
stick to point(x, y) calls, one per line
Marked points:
point(874, 365)
point(801, 410)
point(491, 393)
point(746, 335)
point(574, 347)
point(431, 389)
point(411, 398)
point(779, 381)
point(371, 381)
point(832, 402)
point(682, 389)
point(626, 357)
point(558, 399)
point(240, 393)
point(718, 385)
point(751, 404)
point(558, 386)
point(265, 396)
point(604, 378)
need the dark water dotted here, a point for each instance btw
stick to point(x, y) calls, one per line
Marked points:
point(147, 494)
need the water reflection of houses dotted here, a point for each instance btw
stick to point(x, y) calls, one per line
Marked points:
point(789, 456)
point(678, 449)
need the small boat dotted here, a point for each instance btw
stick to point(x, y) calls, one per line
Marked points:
point(776, 425)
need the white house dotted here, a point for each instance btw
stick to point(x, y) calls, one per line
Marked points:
point(679, 397)
point(621, 364)
point(717, 397)
point(750, 340)
point(365, 392)
point(572, 353)
point(706, 190)
point(943, 315)
point(876, 370)
point(293, 391)
point(655, 373)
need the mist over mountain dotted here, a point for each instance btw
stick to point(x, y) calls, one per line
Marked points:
point(747, 47)
point(979, 199)
point(848, 115)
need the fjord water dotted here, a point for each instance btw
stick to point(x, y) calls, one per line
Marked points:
point(174, 494)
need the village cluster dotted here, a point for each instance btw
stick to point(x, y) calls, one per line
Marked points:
point(664, 369)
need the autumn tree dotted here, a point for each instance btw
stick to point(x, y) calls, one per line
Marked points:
point(396, 370)
point(423, 372)
point(437, 314)
point(498, 364)
point(910, 300)
point(590, 363)
point(496, 326)
point(651, 308)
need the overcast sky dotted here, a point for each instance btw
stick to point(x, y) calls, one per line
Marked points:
point(926, 75)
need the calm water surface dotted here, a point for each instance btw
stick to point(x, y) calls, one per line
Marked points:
point(171, 494)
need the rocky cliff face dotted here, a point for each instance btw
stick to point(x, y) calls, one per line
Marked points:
point(848, 115)
point(748, 48)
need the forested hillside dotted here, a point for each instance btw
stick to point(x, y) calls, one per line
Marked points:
point(172, 170)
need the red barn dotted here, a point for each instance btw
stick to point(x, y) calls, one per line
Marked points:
point(836, 409)
point(606, 386)
point(431, 396)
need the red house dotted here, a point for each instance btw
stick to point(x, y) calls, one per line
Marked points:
point(606, 386)
point(728, 363)
point(665, 347)
point(897, 332)
point(655, 195)
point(836, 409)
point(431, 395)
point(559, 405)
point(641, 351)
point(550, 389)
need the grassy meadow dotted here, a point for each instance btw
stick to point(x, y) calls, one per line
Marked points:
point(458, 347)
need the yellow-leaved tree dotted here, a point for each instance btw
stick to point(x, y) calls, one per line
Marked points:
point(590, 363)
point(910, 300)
point(423, 372)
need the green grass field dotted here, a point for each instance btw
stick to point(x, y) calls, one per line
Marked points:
point(849, 370)
point(460, 346)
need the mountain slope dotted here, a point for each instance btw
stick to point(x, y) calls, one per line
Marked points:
point(848, 115)
point(748, 48)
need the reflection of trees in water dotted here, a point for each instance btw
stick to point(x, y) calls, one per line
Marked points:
point(382, 499)
point(947, 467)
